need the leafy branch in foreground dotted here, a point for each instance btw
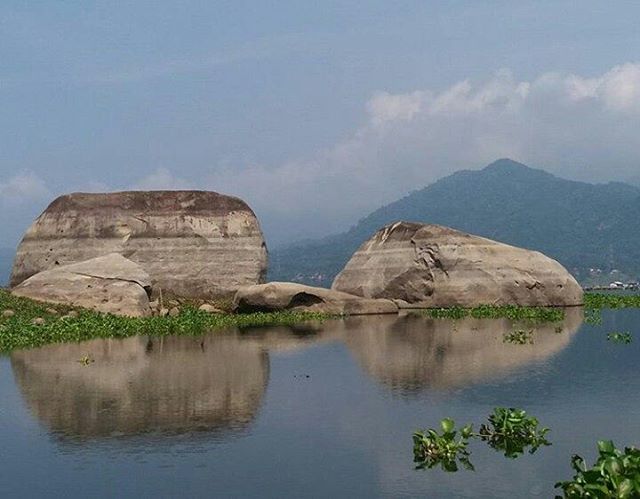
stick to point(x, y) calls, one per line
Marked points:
point(615, 474)
point(512, 431)
point(508, 430)
point(431, 448)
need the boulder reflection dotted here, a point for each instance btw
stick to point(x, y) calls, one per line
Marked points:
point(181, 385)
point(412, 353)
point(173, 384)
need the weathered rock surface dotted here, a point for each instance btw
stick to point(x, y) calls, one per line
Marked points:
point(435, 266)
point(109, 284)
point(276, 296)
point(192, 243)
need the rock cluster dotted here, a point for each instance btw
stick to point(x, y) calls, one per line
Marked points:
point(109, 284)
point(432, 266)
point(276, 296)
point(191, 243)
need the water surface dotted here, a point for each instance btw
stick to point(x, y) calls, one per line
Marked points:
point(317, 410)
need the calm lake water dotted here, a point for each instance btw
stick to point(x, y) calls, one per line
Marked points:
point(312, 411)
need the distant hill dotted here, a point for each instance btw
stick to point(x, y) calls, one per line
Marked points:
point(6, 260)
point(584, 226)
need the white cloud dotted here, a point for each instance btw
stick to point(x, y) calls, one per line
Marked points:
point(23, 188)
point(575, 126)
point(161, 179)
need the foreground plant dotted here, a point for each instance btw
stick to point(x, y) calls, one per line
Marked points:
point(431, 448)
point(511, 431)
point(616, 473)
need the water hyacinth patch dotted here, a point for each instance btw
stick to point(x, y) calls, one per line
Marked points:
point(624, 338)
point(519, 337)
point(64, 324)
point(616, 473)
point(509, 430)
point(512, 312)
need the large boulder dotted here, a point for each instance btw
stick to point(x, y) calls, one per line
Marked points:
point(434, 266)
point(192, 243)
point(277, 296)
point(109, 284)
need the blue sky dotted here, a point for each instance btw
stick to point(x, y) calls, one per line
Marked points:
point(313, 112)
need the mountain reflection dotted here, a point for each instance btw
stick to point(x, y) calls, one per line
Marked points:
point(412, 353)
point(217, 382)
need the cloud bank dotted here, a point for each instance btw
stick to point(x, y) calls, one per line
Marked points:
point(581, 127)
point(575, 126)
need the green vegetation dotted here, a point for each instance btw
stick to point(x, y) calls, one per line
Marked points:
point(431, 448)
point(21, 329)
point(615, 474)
point(598, 301)
point(511, 431)
point(594, 303)
point(512, 312)
point(519, 337)
point(620, 337)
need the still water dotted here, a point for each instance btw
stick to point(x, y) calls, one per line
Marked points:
point(311, 411)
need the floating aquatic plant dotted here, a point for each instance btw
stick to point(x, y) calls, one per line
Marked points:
point(616, 473)
point(508, 430)
point(519, 337)
point(625, 338)
point(64, 324)
point(515, 313)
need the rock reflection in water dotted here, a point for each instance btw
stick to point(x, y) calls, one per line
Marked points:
point(135, 385)
point(412, 353)
point(217, 382)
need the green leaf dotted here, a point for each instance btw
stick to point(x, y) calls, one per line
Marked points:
point(447, 425)
point(606, 446)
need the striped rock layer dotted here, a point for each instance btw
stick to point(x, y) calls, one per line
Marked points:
point(433, 266)
point(191, 243)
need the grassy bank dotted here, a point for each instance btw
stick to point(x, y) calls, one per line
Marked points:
point(56, 326)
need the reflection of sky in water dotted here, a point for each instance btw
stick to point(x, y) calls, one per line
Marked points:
point(236, 414)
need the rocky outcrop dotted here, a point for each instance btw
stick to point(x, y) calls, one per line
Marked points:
point(434, 266)
point(192, 243)
point(277, 296)
point(109, 284)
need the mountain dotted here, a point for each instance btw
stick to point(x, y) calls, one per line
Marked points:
point(6, 260)
point(584, 226)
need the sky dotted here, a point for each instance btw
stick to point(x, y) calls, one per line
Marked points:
point(315, 113)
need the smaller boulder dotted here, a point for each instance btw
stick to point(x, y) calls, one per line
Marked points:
point(210, 309)
point(174, 312)
point(8, 313)
point(279, 296)
point(38, 321)
point(108, 284)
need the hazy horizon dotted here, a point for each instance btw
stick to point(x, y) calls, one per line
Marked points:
point(313, 114)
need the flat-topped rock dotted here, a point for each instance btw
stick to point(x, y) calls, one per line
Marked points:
point(434, 266)
point(108, 284)
point(277, 296)
point(191, 243)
